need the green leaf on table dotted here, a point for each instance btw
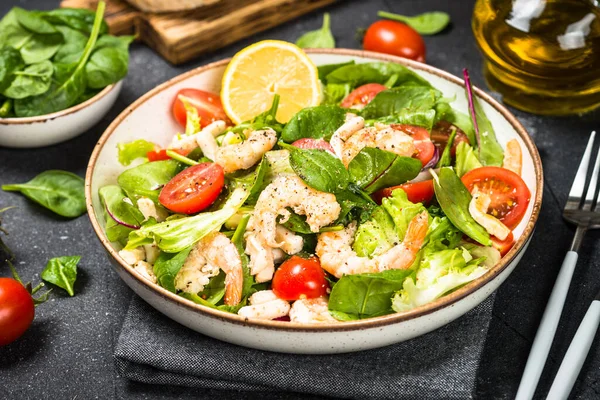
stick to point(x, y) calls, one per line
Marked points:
point(59, 191)
point(318, 122)
point(35, 79)
point(319, 39)
point(62, 272)
point(428, 23)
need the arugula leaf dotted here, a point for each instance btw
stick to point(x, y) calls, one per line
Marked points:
point(59, 191)
point(326, 69)
point(319, 169)
point(394, 101)
point(167, 266)
point(374, 72)
point(32, 81)
point(146, 180)
point(128, 152)
point(314, 122)
point(428, 23)
point(62, 272)
point(319, 39)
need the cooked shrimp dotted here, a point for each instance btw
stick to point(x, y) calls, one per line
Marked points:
point(146, 270)
point(288, 240)
point(320, 208)
point(358, 141)
point(246, 154)
point(395, 141)
point(215, 251)
point(149, 210)
point(265, 305)
point(205, 139)
point(334, 249)
point(311, 311)
point(131, 257)
point(478, 209)
point(513, 157)
point(339, 137)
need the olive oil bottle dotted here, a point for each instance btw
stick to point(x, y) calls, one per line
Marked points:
point(543, 56)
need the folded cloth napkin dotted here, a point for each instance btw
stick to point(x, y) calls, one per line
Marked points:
point(442, 364)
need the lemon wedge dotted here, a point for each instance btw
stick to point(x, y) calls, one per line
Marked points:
point(258, 72)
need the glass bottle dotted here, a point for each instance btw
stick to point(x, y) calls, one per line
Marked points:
point(543, 56)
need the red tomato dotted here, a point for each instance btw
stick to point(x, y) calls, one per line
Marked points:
point(16, 310)
point(193, 189)
point(362, 95)
point(299, 278)
point(161, 154)
point(395, 38)
point(307, 143)
point(424, 145)
point(503, 246)
point(208, 105)
point(417, 192)
point(510, 195)
point(441, 132)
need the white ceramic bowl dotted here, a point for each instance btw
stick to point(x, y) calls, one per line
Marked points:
point(48, 129)
point(150, 118)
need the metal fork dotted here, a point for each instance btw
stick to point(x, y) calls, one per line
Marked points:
point(586, 216)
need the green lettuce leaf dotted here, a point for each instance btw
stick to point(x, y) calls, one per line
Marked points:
point(466, 159)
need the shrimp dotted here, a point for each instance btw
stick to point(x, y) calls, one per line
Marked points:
point(339, 137)
point(205, 139)
point(513, 157)
point(149, 210)
point(213, 252)
point(334, 249)
point(311, 311)
point(395, 141)
point(246, 154)
point(478, 209)
point(265, 305)
point(146, 270)
point(355, 143)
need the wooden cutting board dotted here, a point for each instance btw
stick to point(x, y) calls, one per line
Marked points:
point(182, 36)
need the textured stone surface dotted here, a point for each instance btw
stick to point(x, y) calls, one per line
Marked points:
point(68, 352)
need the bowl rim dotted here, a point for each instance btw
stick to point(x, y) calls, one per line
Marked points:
point(73, 109)
point(369, 323)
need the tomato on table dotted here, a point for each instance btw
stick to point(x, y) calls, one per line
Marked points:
point(362, 95)
point(193, 189)
point(308, 143)
point(299, 277)
point(395, 38)
point(16, 310)
point(208, 105)
point(161, 154)
point(416, 192)
point(509, 193)
point(440, 133)
point(503, 246)
point(423, 143)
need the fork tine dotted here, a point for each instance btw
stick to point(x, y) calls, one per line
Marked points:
point(591, 193)
point(578, 187)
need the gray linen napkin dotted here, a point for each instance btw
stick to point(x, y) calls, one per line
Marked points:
point(440, 365)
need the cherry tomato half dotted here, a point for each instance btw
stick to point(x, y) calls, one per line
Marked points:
point(362, 95)
point(193, 189)
point(503, 246)
point(161, 154)
point(16, 310)
point(308, 143)
point(424, 145)
point(416, 192)
point(395, 38)
point(441, 133)
point(510, 195)
point(299, 278)
point(208, 105)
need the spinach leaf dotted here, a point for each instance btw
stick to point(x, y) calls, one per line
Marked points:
point(454, 199)
point(6, 108)
point(79, 19)
point(314, 122)
point(326, 69)
point(128, 152)
point(72, 47)
point(319, 39)
point(428, 23)
point(66, 92)
point(41, 47)
point(167, 266)
point(33, 22)
point(375, 72)
point(373, 169)
point(62, 272)
point(319, 169)
point(334, 93)
point(394, 101)
point(445, 112)
point(353, 207)
point(59, 191)
point(120, 209)
point(146, 180)
point(12, 33)
point(418, 117)
point(10, 62)
point(296, 223)
point(109, 62)
point(33, 80)
point(366, 295)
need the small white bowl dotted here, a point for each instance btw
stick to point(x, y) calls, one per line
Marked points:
point(48, 129)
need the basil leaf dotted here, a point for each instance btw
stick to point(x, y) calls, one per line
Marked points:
point(314, 122)
point(62, 272)
point(395, 101)
point(326, 69)
point(454, 199)
point(373, 169)
point(122, 215)
point(128, 152)
point(32, 81)
point(10, 62)
point(59, 191)
point(146, 180)
point(319, 169)
point(319, 39)
point(167, 266)
point(375, 72)
point(428, 23)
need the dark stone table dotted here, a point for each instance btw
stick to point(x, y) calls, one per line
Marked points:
point(68, 351)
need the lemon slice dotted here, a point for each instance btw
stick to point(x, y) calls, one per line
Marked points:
point(258, 72)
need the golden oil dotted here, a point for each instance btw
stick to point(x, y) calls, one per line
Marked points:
point(543, 56)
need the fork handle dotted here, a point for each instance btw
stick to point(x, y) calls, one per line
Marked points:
point(576, 354)
point(547, 329)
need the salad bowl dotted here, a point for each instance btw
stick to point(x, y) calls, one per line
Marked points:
point(150, 118)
